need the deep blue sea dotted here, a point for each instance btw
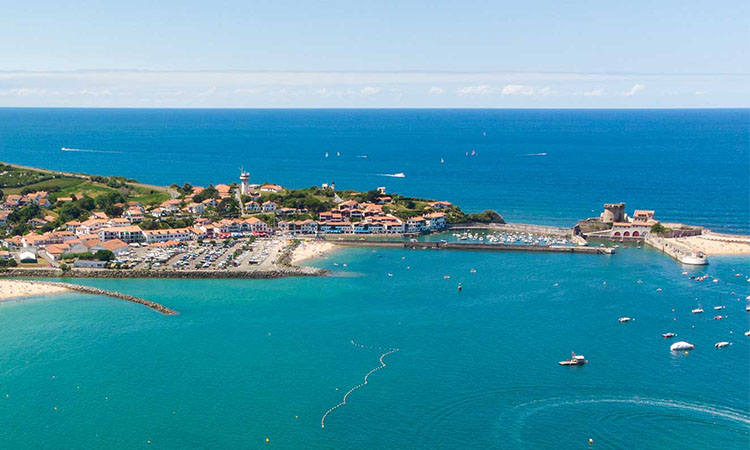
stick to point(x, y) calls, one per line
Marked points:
point(250, 360)
point(540, 166)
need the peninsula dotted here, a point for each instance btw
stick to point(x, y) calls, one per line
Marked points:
point(78, 225)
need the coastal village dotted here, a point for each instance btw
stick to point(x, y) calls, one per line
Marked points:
point(109, 230)
point(245, 227)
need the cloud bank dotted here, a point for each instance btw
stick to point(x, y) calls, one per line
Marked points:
point(232, 89)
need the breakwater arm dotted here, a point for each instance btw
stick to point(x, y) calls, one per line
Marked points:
point(119, 295)
point(475, 246)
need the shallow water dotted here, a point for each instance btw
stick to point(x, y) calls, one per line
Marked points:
point(250, 359)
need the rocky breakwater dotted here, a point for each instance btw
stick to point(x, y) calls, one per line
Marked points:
point(275, 272)
point(96, 291)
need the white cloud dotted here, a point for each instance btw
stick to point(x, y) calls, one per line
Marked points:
point(638, 87)
point(22, 92)
point(247, 91)
point(208, 92)
point(369, 90)
point(545, 91)
point(594, 93)
point(95, 93)
point(518, 89)
point(482, 89)
point(349, 89)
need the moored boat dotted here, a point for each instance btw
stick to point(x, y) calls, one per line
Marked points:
point(681, 345)
point(575, 360)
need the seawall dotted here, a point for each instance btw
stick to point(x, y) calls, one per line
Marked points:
point(145, 273)
point(475, 246)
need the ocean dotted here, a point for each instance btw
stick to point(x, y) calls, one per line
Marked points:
point(250, 360)
point(538, 166)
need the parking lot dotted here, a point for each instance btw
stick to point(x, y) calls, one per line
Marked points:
point(231, 254)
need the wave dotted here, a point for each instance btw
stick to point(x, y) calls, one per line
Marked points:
point(535, 154)
point(362, 156)
point(85, 150)
point(394, 175)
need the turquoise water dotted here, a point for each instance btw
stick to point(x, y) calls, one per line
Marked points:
point(248, 360)
point(539, 166)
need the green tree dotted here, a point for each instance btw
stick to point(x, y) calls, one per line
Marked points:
point(104, 255)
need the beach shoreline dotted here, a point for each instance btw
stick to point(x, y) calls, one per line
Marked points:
point(311, 249)
point(713, 244)
point(15, 289)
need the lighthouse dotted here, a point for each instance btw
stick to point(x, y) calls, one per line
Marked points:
point(244, 182)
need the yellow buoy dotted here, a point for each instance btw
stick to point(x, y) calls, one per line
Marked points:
point(267, 440)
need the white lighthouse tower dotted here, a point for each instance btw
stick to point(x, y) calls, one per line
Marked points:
point(244, 182)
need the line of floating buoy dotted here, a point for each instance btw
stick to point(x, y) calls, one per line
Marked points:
point(364, 382)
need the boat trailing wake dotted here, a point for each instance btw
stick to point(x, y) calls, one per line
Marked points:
point(85, 150)
point(388, 351)
point(716, 411)
point(394, 175)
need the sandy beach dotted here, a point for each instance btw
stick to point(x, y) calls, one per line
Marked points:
point(718, 244)
point(311, 249)
point(17, 288)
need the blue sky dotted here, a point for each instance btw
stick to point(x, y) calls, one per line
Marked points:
point(375, 54)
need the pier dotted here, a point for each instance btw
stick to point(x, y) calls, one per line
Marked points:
point(119, 295)
point(681, 253)
point(475, 246)
point(516, 228)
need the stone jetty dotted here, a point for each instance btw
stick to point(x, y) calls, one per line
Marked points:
point(96, 291)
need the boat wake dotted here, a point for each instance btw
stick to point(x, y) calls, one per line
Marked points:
point(85, 150)
point(535, 154)
point(394, 175)
point(715, 411)
point(388, 351)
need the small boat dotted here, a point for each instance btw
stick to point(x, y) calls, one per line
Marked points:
point(747, 308)
point(718, 317)
point(719, 307)
point(575, 360)
point(473, 271)
point(446, 277)
point(747, 333)
point(442, 161)
point(459, 288)
point(668, 335)
point(681, 345)
point(624, 319)
point(722, 344)
point(697, 311)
